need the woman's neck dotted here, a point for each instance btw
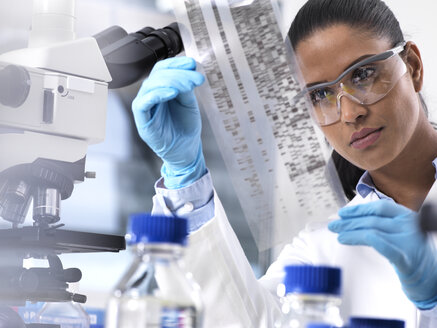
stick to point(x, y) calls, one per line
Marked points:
point(408, 178)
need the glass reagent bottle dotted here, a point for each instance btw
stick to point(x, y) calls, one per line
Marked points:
point(64, 314)
point(156, 291)
point(310, 295)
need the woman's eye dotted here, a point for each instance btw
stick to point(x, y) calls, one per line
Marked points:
point(319, 95)
point(363, 75)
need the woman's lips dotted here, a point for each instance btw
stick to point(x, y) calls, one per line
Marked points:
point(365, 137)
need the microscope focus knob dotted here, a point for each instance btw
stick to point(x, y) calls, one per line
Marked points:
point(14, 86)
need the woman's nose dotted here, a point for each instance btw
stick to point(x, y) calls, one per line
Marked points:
point(350, 109)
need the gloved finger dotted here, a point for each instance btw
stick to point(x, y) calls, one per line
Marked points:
point(142, 104)
point(383, 208)
point(377, 240)
point(368, 222)
point(181, 80)
point(181, 62)
point(187, 99)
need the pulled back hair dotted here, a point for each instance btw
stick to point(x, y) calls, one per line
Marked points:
point(368, 16)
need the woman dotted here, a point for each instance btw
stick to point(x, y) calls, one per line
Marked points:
point(364, 82)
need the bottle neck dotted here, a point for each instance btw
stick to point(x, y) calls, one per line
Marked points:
point(313, 306)
point(157, 271)
point(165, 251)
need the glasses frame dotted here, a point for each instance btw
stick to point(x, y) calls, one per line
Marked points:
point(378, 57)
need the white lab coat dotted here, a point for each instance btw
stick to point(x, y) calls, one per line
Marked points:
point(235, 298)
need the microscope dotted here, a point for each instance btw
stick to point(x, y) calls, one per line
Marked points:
point(53, 98)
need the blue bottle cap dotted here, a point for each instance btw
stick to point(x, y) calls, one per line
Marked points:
point(310, 279)
point(147, 228)
point(356, 322)
point(320, 325)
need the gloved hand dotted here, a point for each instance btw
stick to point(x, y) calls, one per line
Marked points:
point(168, 120)
point(393, 231)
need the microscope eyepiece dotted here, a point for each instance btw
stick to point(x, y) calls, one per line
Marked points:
point(143, 33)
point(169, 36)
point(130, 57)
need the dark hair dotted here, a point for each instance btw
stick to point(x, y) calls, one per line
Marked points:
point(368, 16)
point(348, 174)
point(371, 16)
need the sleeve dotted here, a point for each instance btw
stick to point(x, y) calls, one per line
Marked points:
point(232, 295)
point(194, 202)
point(428, 318)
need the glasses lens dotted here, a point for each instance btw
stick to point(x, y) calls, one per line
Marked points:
point(371, 82)
point(324, 103)
point(366, 84)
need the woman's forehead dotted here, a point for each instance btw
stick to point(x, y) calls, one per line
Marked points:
point(326, 53)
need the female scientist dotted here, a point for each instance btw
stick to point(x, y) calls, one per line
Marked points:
point(364, 81)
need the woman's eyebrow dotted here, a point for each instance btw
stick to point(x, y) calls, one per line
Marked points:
point(358, 60)
point(350, 65)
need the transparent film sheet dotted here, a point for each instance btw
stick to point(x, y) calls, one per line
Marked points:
point(275, 157)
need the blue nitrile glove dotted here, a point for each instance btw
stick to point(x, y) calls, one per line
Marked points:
point(168, 120)
point(393, 231)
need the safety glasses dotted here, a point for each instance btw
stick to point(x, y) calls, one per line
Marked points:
point(365, 83)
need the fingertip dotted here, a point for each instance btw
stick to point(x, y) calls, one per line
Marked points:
point(154, 97)
point(333, 226)
point(341, 239)
point(347, 239)
point(199, 79)
point(138, 104)
point(168, 94)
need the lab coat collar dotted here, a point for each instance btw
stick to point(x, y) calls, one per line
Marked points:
point(434, 163)
point(365, 185)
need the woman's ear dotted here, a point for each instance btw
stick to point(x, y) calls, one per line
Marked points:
point(415, 65)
